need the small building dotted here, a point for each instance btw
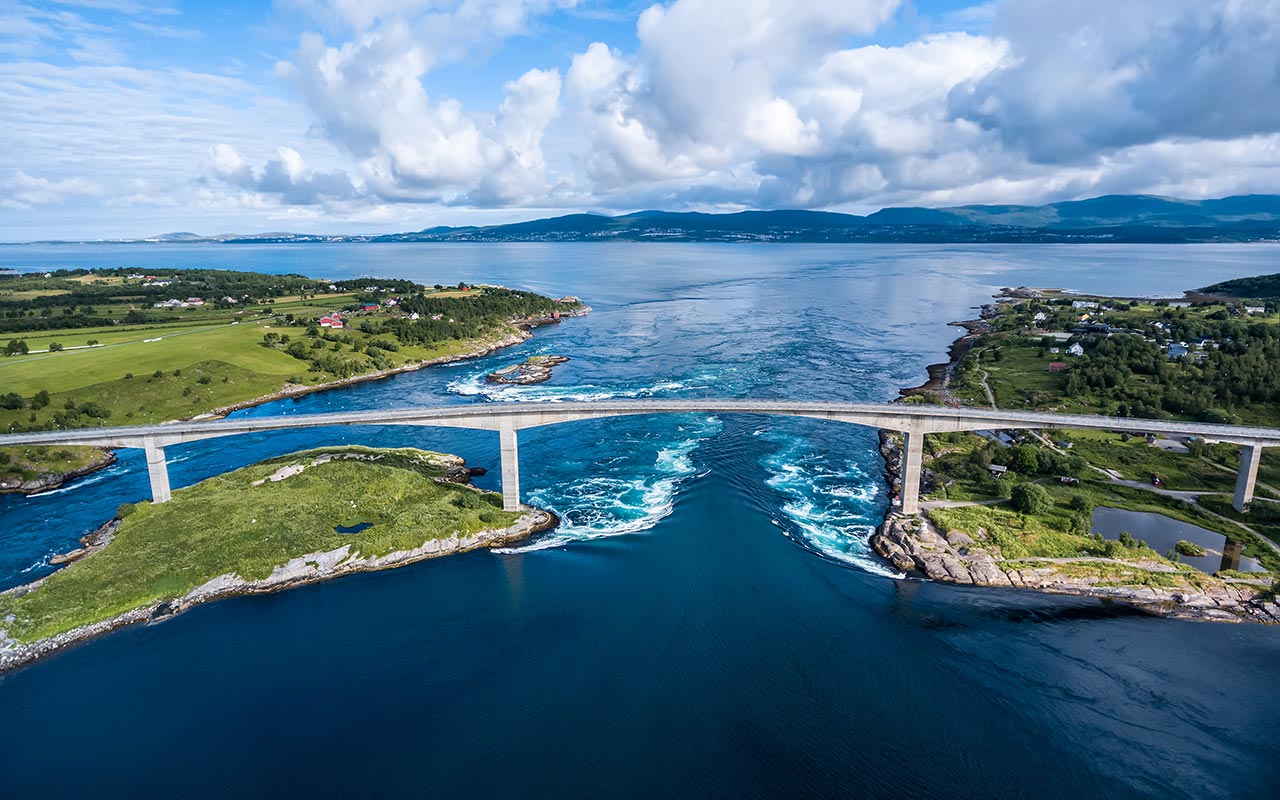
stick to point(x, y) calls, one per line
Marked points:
point(1075, 350)
point(369, 306)
point(336, 324)
point(1068, 480)
point(1255, 310)
point(1057, 366)
point(414, 316)
point(1176, 351)
point(1179, 304)
point(195, 301)
point(997, 470)
point(326, 322)
point(1079, 304)
point(1040, 317)
point(1055, 350)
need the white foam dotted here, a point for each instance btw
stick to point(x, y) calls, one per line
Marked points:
point(607, 505)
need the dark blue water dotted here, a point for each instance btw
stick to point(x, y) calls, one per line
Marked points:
point(706, 622)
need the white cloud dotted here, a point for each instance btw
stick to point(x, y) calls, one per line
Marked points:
point(21, 190)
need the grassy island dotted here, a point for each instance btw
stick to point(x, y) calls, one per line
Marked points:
point(260, 528)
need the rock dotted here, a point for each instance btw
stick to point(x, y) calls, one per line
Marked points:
point(534, 369)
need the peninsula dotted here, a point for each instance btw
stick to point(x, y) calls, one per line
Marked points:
point(284, 522)
point(1032, 509)
point(85, 348)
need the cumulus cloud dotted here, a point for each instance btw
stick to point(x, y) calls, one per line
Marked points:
point(21, 190)
point(1096, 75)
point(286, 177)
point(369, 98)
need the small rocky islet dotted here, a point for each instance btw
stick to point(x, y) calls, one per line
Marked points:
point(534, 369)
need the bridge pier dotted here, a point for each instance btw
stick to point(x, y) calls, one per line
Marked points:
point(1250, 455)
point(912, 457)
point(510, 465)
point(1231, 550)
point(158, 472)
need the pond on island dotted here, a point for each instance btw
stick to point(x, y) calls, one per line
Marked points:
point(1162, 533)
point(356, 528)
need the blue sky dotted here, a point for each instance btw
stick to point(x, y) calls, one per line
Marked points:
point(135, 117)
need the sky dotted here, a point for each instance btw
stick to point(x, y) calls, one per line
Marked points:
point(126, 118)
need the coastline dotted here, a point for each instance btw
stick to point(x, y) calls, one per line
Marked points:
point(519, 333)
point(298, 571)
point(912, 545)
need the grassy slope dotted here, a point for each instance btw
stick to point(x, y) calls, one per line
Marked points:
point(225, 525)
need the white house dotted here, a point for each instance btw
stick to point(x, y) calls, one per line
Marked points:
point(1040, 317)
point(1255, 310)
point(1055, 350)
point(1078, 304)
point(1075, 350)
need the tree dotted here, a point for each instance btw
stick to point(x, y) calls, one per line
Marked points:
point(54, 347)
point(1029, 498)
point(16, 347)
point(1024, 459)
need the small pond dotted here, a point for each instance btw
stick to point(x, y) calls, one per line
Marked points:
point(1161, 533)
point(359, 526)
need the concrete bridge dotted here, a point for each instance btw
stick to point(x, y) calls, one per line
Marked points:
point(914, 421)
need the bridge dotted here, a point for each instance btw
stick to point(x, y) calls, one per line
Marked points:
point(913, 421)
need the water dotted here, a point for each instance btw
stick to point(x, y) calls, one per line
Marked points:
point(707, 620)
point(1162, 533)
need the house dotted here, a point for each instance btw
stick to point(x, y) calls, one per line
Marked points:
point(326, 322)
point(1255, 310)
point(1040, 317)
point(1057, 366)
point(195, 301)
point(336, 324)
point(369, 306)
point(1075, 350)
point(1176, 351)
point(392, 302)
point(414, 316)
point(333, 287)
point(1202, 342)
point(998, 471)
point(1079, 304)
point(170, 304)
point(228, 299)
point(1179, 304)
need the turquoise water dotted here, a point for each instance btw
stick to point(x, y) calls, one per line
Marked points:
point(706, 621)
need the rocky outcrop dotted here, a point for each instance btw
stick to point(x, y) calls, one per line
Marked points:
point(534, 369)
point(916, 548)
point(304, 569)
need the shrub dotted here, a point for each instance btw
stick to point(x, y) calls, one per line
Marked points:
point(1029, 498)
point(1186, 548)
point(125, 509)
point(204, 380)
point(157, 374)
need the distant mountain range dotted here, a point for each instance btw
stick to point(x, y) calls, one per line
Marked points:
point(1112, 218)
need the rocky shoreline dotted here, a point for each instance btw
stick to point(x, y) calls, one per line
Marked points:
point(299, 571)
point(912, 545)
point(534, 369)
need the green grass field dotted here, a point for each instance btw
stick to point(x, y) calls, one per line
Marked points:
point(227, 525)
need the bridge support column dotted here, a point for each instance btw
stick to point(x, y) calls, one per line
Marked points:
point(912, 457)
point(158, 472)
point(1250, 455)
point(510, 466)
point(1231, 550)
